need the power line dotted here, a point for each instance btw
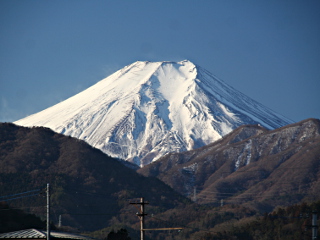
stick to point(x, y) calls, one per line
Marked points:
point(5, 200)
point(36, 190)
point(78, 191)
point(214, 197)
point(261, 170)
point(262, 182)
point(21, 208)
point(91, 214)
point(278, 168)
point(203, 230)
point(239, 193)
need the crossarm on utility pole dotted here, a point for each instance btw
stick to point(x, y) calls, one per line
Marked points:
point(141, 215)
point(162, 229)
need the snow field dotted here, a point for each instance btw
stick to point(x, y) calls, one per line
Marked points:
point(148, 109)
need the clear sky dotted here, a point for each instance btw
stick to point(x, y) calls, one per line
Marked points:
point(267, 49)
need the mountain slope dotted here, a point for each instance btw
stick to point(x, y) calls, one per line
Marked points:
point(149, 109)
point(249, 164)
point(88, 188)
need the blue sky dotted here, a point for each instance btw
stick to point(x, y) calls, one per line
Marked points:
point(51, 50)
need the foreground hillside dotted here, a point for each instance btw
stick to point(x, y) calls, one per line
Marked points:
point(250, 166)
point(88, 187)
point(229, 222)
point(251, 169)
point(198, 222)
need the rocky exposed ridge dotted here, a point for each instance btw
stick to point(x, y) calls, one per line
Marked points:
point(250, 163)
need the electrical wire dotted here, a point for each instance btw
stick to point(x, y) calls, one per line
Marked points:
point(20, 208)
point(5, 200)
point(265, 170)
point(77, 191)
point(264, 195)
point(35, 190)
point(90, 214)
point(171, 223)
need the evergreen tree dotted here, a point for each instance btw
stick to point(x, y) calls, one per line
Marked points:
point(121, 234)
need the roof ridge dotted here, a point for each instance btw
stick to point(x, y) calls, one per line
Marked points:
point(41, 234)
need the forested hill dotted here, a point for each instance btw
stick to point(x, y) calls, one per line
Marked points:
point(88, 187)
point(251, 166)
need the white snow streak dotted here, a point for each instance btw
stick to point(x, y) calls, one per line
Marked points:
point(148, 109)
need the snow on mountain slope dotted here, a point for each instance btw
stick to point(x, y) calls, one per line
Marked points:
point(148, 109)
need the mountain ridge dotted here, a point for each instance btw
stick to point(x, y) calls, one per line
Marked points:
point(83, 180)
point(148, 109)
point(251, 163)
point(84, 184)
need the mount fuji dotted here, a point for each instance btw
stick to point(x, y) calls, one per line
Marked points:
point(148, 109)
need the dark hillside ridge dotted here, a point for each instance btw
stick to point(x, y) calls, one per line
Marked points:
point(88, 187)
point(251, 164)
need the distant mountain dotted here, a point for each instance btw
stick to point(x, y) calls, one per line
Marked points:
point(148, 109)
point(88, 188)
point(251, 165)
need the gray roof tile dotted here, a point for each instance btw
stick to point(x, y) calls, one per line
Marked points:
point(34, 233)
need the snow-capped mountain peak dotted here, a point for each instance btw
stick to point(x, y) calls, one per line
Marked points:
point(148, 109)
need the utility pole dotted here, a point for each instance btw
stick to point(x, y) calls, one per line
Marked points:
point(48, 211)
point(141, 215)
point(314, 226)
point(59, 224)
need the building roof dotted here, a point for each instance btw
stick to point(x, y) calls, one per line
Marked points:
point(34, 233)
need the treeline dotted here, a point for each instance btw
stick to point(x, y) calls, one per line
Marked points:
point(291, 223)
point(231, 222)
point(15, 219)
point(199, 222)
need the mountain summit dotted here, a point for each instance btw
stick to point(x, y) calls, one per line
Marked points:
point(148, 109)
